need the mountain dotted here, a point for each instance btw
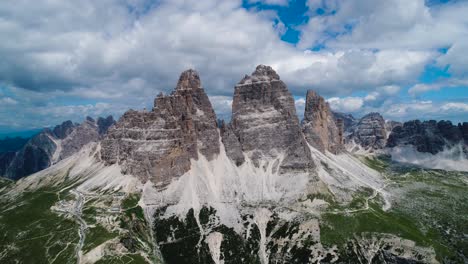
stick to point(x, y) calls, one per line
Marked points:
point(429, 136)
point(265, 123)
point(174, 185)
point(349, 122)
point(429, 144)
point(158, 145)
point(320, 127)
point(12, 144)
point(51, 146)
point(369, 133)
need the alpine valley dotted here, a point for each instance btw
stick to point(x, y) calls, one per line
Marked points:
point(176, 185)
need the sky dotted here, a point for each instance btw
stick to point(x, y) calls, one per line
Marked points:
point(64, 60)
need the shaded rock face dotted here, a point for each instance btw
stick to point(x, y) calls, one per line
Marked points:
point(428, 136)
point(63, 130)
point(159, 144)
point(36, 155)
point(464, 128)
point(81, 135)
point(349, 122)
point(264, 123)
point(390, 125)
point(370, 132)
point(319, 126)
point(5, 160)
point(104, 124)
point(50, 146)
point(233, 147)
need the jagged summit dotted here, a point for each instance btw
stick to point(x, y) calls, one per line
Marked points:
point(189, 79)
point(320, 128)
point(370, 132)
point(262, 73)
point(158, 145)
point(265, 123)
point(52, 146)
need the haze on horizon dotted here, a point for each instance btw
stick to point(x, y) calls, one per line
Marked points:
point(69, 59)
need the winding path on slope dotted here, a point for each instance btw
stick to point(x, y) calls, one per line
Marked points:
point(76, 212)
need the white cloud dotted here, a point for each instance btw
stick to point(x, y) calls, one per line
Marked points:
point(346, 104)
point(8, 101)
point(125, 52)
point(271, 2)
point(300, 107)
point(388, 24)
point(456, 58)
point(223, 106)
point(451, 107)
point(423, 88)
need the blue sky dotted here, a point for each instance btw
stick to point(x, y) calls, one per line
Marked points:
point(404, 59)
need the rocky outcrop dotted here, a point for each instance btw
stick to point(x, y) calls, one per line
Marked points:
point(428, 136)
point(5, 160)
point(464, 129)
point(81, 135)
point(390, 125)
point(232, 145)
point(63, 130)
point(104, 124)
point(370, 132)
point(319, 126)
point(265, 124)
point(159, 144)
point(51, 146)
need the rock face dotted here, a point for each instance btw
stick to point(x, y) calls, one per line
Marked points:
point(464, 128)
point(81, 135)
point(349, 122)
point(36, 155)
point(370, 132)
point(428, 136)
point(104, 124)
point(390, 125)
point(233, 147)
point(319, 126)
point(159, 144)
point(63, 130)
point(50, 146)
point(265, 124)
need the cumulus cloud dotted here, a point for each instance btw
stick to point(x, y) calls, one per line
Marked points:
point(8, 101)
point(387, 24)
point(422, 88)
point(346, 104)
point(73, 55)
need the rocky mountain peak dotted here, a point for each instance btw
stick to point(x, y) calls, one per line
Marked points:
point(263, 70)
point(264, 123)
point(104, 124)
point(188, 79)
point(90, 119)
point(319, 125)
point(158, 145)
point(428, 136)
point(370, 132)
point(261, 74)
point(63, 130)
